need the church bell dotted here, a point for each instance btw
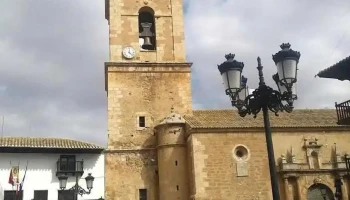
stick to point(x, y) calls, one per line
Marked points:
point(147, 34)
point(147, 43)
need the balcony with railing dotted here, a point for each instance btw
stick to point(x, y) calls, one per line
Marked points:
point(347, 164)
point(69, 167)
point(340, 71)
point(343, 112)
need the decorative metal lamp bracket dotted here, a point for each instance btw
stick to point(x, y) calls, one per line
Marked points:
point(81, 191)
point(265, 96)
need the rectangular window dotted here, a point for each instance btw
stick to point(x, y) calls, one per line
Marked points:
point(40, 194)
point(67, 163)
point(66, 195)
point(142, 121)
point(11, 195)
point(143, 194)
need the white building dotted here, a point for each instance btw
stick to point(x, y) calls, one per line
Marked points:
point(47, 158)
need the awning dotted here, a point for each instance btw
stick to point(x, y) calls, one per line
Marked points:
point(340, 71)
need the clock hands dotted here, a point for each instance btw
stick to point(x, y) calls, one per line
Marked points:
point(129, 52)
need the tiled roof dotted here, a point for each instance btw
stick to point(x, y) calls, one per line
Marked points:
point(340, 70)
point(46, 143)
point(231, 119)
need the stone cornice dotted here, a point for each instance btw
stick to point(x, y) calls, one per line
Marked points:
point(136, 15)
point(147, 66)
point(170, 145)
point(318, 129)
point(310, 171)
point(128, 150)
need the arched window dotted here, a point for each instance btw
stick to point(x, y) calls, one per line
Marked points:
point(147, 30)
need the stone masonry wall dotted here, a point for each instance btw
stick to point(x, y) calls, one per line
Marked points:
point(143, 93)
point(133, 91)
point(215, 168)
point(217, 173)
point(126, 172)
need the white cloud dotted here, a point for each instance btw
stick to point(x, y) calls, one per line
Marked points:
point(257, 28)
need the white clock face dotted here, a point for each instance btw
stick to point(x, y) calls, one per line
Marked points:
point(129, 52)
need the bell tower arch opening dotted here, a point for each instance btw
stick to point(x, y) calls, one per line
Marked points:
point(147, 30)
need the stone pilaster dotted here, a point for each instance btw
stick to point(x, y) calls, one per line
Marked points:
point(286, 189)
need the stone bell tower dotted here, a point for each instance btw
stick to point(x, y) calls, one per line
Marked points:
point(146, 76)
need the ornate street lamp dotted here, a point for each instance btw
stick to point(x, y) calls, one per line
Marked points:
point(89, 182)
point(62, 181)
point(231, 71)
point(76, 188)
point(264, 98)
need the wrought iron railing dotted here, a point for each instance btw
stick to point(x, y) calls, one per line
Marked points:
point(343, 112)
point(69, 167)
point(347, 163)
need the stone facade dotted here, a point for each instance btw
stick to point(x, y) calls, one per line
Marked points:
point(229, 154)
point(123, 15)
point(141, 92)
point(160, 148)
point(218, 174)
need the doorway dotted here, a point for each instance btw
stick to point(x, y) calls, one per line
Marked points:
point(319, 192)
point(66, 195)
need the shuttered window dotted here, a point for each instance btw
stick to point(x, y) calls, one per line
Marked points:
point(66, 195)
point(143, 194)
point(11, 195)
point(40, 195)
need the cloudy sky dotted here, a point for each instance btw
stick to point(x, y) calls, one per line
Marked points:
point(52, 55)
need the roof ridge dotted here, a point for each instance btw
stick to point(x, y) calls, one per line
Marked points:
point(51, 142)
point(295, 109)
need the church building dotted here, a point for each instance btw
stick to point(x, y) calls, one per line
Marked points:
point(159, 148)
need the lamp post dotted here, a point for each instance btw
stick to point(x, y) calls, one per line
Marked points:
point(338, 192)
point(264, 98)
point(76, 188)
point(347, 163)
